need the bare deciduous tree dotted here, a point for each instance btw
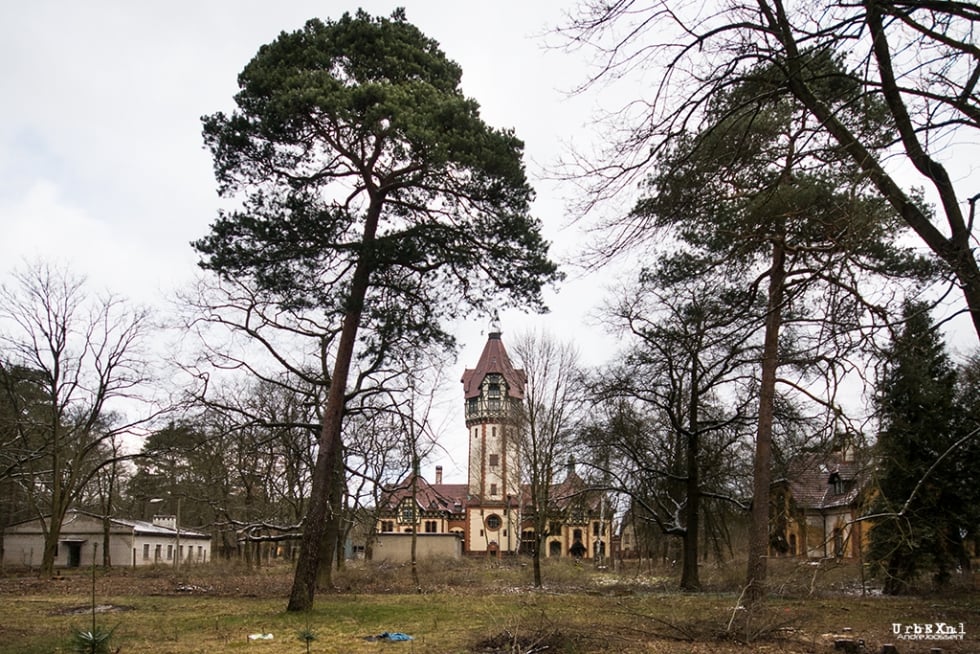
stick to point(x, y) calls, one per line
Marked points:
point(553, 405)
point(84, 357)
point(692, 344)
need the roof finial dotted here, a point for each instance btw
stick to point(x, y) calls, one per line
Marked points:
point(495, 323)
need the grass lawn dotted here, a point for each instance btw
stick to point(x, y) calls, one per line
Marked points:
point(465, 607)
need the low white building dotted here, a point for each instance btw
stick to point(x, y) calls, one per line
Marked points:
point(131, 542)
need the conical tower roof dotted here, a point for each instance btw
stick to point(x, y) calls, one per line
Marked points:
point(494, 360)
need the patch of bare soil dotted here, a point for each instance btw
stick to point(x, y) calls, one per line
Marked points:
point(505, 642)
point(88, 610)
point(156, 582)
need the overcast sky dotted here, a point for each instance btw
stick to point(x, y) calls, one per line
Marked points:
point(102, 165)
point(101, 159)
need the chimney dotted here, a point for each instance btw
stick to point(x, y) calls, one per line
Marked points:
point(438, 474)
point(168, 521)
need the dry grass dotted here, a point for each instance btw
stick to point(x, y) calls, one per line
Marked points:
point(470, 606)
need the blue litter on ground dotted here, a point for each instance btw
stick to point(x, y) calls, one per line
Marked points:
point(391, 635)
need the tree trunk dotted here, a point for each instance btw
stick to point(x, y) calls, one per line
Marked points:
point(328, 549)
point(106, 541)
point(331, 542)
point(59, 508)
point(53, 532)
point(689, 573)
point(51, 536)
point(415, 535)
point(329, 457)
point(536, 559)
point(762, 472)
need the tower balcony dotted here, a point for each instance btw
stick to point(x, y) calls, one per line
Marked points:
point(481, 409)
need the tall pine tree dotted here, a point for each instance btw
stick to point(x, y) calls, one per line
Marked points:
point(918, 526)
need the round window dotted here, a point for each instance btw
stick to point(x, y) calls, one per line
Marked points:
point(493, 522)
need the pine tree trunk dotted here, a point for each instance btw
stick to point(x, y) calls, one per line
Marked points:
point(329, 461)
point(762, 472)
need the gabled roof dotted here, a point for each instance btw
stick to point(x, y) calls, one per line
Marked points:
point(428, 497)
point(148, 528)
point(137, 526)
point(811, 480)
point(494, 360)
point(573, 490)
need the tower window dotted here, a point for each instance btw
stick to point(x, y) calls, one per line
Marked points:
point(493, 522)
point(494, 460)
point(493, 489)
point(493, 390)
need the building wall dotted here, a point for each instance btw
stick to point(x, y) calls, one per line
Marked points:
point(474, 464)
point(493, 462)
point(82, 538)
point(595, 535)
point(481, 537)
point(161, 550)
point(398, 547)
point(831, 534)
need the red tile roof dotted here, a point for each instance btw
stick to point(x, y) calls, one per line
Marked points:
point(494, 360)
point(811, 480)
point(430, 497)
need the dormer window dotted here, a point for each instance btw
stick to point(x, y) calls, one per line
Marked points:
point(407, 513)
point(493, 390)
point(840, 486)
